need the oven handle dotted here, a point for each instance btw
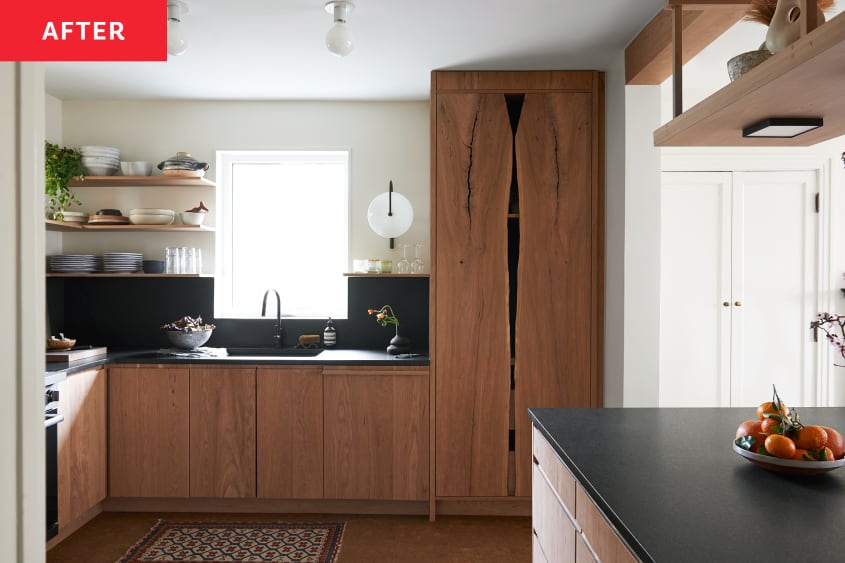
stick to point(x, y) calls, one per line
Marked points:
point(54, 420)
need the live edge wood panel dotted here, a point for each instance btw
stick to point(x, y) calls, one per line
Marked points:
point(148, 432)
point(222, 432)
point(82, 444)
point(552, 140)
point(376, 428)
point(290, 432)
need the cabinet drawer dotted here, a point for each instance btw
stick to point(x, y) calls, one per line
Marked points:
point(559, 477)
point(537, 555)
point(553, 527)
point(608, 547)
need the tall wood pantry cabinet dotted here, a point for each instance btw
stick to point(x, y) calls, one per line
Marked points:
point(518, 267)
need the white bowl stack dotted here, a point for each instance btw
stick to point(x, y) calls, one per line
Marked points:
point(151, 216)
point(100, 161)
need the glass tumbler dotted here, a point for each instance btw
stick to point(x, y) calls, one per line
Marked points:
point(404, 265)
point(172, 263)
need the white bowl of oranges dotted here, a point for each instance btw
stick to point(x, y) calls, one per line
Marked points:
point(779, 441)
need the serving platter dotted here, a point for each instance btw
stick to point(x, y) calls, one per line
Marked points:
point(791, 466)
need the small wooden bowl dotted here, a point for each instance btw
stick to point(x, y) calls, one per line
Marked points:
point(61, 343)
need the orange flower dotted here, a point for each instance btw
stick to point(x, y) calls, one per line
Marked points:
point(385, 315)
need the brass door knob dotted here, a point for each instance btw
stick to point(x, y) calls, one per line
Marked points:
point(738, 303)
point(726, 304)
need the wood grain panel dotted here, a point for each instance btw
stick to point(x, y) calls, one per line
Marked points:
point(554, 283)
point(510, 81)
point(474, 146)
point(600, 535)
point(376, 434)
point(82, 444)
point(222, 432)
point(552, 526)
point(290, 432)
point(148, 431)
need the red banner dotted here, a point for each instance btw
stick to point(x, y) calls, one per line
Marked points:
point(83, 30)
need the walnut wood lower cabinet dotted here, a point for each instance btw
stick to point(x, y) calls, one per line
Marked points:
point(567, 527)
point(222, 432)
point(148, 431)
point(376, 432)
point(290, 432)
point(82, 444)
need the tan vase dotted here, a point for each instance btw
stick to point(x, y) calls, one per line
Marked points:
point(785, 27)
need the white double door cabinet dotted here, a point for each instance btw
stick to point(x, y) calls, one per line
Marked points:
point(738, 287)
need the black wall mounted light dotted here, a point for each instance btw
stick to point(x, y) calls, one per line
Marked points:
point(782, 127)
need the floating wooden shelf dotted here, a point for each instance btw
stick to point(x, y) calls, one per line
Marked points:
point(803, 80)
point(356, 275)
point(133, 275)
point(139, 181)
point(66, 227)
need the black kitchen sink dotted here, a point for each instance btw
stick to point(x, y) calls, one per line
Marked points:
point(271, 351)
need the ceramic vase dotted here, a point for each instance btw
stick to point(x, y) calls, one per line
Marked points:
point(399, 344)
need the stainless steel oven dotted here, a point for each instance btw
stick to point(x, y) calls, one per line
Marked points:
point(52, 418)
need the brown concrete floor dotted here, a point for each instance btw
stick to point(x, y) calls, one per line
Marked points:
point(367, 539)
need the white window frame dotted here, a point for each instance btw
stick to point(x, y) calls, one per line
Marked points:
point(223, 291)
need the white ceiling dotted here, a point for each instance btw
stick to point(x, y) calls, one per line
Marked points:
point(274, 49)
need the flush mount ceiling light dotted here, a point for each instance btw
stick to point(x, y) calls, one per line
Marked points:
point(390, 214)
point(782, 127)
point(176, 42)
point(339, 37)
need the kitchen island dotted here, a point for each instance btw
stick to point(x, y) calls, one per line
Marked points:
point(669, 484)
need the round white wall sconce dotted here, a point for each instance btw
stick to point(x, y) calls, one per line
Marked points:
point(390, 214)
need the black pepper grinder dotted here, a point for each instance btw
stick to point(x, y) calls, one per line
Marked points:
point(329, 335)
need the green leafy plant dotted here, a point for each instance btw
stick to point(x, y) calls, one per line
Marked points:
point(385, 315)
point(61, 164)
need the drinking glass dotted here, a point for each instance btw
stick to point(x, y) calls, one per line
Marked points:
point(172, 262)
point(417, 266)
point(404, 265)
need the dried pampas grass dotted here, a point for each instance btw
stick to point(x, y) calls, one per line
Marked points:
point(762, 11)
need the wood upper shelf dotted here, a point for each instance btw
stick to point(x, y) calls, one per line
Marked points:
point(140, 181)
point(803, 80)
point(66, 227)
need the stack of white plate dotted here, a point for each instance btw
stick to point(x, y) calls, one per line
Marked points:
point(100, 161)
point(151, 216)
point(73, 263)
point(122, 262)
point(75, 217)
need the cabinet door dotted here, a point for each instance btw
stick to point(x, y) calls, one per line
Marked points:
point(290, 432)
point(473, 161)
point(376, 433)
point(222, 432)
point(148, 431)
point(82, 444)
point(556, 282)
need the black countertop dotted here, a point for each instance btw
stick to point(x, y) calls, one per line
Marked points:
point(153, 356)
point(670, 482)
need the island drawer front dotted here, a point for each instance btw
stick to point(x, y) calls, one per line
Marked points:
point(602, 538)
point(559, 477)
point(537, 555)
point(554, 531)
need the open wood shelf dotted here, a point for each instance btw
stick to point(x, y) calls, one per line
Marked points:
point(803, 80)
point(133, 275)
point(139, 181)
point(62, 226)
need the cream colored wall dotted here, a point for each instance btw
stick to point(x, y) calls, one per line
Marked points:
point(387, 140)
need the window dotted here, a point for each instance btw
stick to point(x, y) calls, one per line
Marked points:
point(284, 226)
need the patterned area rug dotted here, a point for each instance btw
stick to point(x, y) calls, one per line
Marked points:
point(277, 542)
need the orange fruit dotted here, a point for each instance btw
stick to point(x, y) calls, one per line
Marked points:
point(752, 428)
point(811, 437)
point(769, 408)
point(835, 442)
point(771, 425)
point(800, 453)
point(780, 446)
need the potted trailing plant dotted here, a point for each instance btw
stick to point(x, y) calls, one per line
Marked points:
point(61, 164)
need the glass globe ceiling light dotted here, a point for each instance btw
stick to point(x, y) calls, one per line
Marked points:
point(176, 42)
point(390, 214)
point(339, 38)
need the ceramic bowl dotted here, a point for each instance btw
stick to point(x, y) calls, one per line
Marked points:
point(791, 466)
point(153, 266)
point(744, 62)
point(182, 161)
point(188, 340)
point(191, 218)
point(136, 168)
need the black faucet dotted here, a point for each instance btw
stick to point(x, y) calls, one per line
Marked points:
point(277, 329)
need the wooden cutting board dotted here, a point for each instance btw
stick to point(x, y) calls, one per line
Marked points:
point(73, 354)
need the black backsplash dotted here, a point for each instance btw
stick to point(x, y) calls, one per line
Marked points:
point(121, 312)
